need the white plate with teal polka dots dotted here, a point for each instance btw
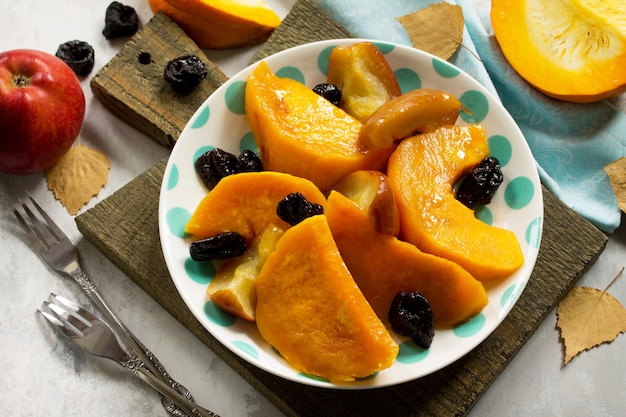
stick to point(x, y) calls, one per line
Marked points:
point(221, 122)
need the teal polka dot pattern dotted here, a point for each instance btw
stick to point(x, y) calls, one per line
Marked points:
point(235, 97)
point(202, 118)
point(218, 316)
point(500, 147)
point(177, 218)
point(509, 296)
point(322, 59)
point(200, 272)
point(313, 377)
point(533, 233)
point(471, 327)
point(221, 123)
point(291, 72)
point(411, 353)
point(445, 69)
point(172, 180)
point(408, 79)
point(201, 150)
point(247, 142)
point(367, 378)
point(384, 47)
point(483, 214)
point(519, 192)
point(247, 348)
point(476, 106)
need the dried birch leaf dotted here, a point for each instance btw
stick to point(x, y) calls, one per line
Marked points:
point(588, 317)
point(78, 176)
point(617, 176)
point(437, 29)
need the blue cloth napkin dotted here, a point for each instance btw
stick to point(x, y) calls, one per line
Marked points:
point(571, 143)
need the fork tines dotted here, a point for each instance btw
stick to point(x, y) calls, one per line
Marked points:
point(66, 316)
point(42, 226)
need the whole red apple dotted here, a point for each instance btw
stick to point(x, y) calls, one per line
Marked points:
point(42, 107)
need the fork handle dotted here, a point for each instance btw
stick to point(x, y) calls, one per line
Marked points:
point(150, 361)
point(136, 367)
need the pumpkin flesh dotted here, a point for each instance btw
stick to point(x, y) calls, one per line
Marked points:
point(422, 171)
point(220, 24)
point(574, 50)
point(310, 309)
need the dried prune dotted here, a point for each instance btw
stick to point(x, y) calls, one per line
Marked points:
point(330, 92)
point(249, 161)
point(410, 315)
point(185, 72)
point(479, 186)
point(79, 55)
point(215, 165)
point(295, 207)
point(120, 20)
point(221, 246)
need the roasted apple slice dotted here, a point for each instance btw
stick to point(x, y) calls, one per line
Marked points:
point(364, 76)
point(371, 191)
point(233, 287)
point(418, 111)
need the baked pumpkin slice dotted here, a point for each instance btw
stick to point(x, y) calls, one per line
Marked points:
point(310, 309)
point(301, 133)
point(246, 203)
point(383, 266)
point(422, 171)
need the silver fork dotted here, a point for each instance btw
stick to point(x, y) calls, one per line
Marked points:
point(96, 337)
point(57, 250)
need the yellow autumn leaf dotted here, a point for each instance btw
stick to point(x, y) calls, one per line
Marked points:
point(436, 29)
point(78, 176)
point(588, 317)
point(617, 176)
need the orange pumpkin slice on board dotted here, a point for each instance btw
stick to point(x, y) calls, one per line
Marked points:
point(301, 133)
point(310, 309)
point(220, 24)
point(383, 266)
point(422, 171)
point(574, 50)
point(246, 203)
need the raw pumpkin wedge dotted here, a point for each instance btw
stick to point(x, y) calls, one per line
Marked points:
point(301, 133)
point(310, 309)
point(574, 50)
point(246, 203)
point(422, 171)
point(383, 266)
point(220, 24)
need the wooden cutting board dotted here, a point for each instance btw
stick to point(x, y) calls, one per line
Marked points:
point(125, 228)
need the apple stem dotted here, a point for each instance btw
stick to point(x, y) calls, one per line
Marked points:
point(21, 80)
